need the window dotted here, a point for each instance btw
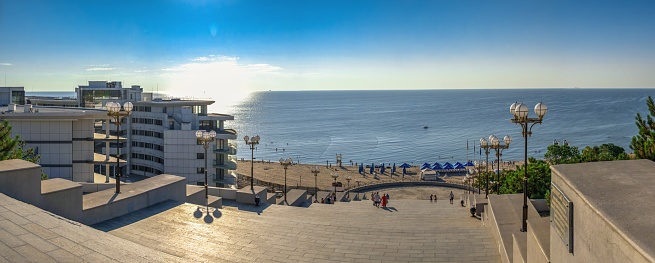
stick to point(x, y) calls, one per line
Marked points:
point(200, 156)
point(200, 170)
point(158, 122)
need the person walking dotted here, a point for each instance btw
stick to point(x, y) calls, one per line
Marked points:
point(435, 198)
point(377, 200)
point(452, 196)
point(384, 200)
point(430, 198)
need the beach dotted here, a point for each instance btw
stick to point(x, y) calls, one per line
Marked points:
point(273, 172)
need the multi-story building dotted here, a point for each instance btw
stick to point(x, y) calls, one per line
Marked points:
point(158, 137)
point(161, 134)
point(62, 137)
point(162, 140)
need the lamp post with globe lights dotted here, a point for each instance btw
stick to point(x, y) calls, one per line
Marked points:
point(252, 142)
point(114, 111)
point(348, 178)
point(495, 144)
point(485, 145)
point(315, 170)
point(520, 113)
point(335, 175)
point(285, 163)
point(206, 138)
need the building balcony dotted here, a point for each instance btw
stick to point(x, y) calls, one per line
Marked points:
point(229, 149)
point(229, 178)
point(227, 165)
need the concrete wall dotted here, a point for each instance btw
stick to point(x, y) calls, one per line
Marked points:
point(21, 180)
point(105, 205)
point(225, 193)
point(95, 187)
point(594, 239)
point(538, 240)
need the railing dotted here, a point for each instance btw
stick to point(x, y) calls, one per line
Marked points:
point(229, 164)
point(230, 149)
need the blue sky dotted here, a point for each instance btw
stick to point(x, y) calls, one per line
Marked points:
point(315, 45)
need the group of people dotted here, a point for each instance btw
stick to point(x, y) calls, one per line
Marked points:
point(330, 199)
point(380, 200)
point(435, 198)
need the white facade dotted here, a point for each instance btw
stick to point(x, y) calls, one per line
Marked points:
point(62, 137)
point(162, 140)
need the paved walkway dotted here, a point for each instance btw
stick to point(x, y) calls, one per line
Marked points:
point(408, 231)
point(29, 234)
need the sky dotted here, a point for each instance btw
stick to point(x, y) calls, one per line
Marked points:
point(240, 46)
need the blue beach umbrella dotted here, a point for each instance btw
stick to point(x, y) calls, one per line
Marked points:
point(361, 168)
point(425, 166)
point(393, 168)
point(469, 164)
point(436, 166)
point(459, 166)
point(372, 168)
point(382, 169)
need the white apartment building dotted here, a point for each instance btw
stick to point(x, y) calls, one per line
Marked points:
point(62, 137)
point(161, 134)
point(162, 140)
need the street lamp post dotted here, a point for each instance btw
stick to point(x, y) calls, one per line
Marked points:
point(520, 112)
point(335, 175)
point(206, 138)
point(348, 178)
point(285, 164)
point(252, 142)
point(495, 143)
point(114, 111)
point(485, 145)
point(315, 170)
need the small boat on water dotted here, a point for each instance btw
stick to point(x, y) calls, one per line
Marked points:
point(425, 127)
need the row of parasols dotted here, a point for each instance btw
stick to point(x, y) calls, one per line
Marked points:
point(446, 167)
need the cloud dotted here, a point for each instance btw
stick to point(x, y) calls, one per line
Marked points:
point(100, 69)
point(5, 64)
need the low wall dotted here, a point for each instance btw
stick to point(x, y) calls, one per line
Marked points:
point(95, 187)
point(225, 193)
point(406, 184)
point(106, 204)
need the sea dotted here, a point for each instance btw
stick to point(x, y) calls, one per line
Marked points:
point(419, 126)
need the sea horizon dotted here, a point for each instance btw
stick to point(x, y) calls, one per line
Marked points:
point(394, 133)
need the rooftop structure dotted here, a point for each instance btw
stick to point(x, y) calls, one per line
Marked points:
point(12, 95)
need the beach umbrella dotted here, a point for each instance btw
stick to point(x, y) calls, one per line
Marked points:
point(372, 168)
point(405, 165)
point(436, 166)
point(459, 166)
point(469, 164)
point(393, 168)
point(447, 166)
point(425, 166)
point(382, 169)
point(361, 168)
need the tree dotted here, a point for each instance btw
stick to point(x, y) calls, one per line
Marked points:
point(14, 148)
point(605, 152)
point(643, 143)
point(562, 153)
point(538, 179)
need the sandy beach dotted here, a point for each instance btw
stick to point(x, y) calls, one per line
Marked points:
point(273, 172)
